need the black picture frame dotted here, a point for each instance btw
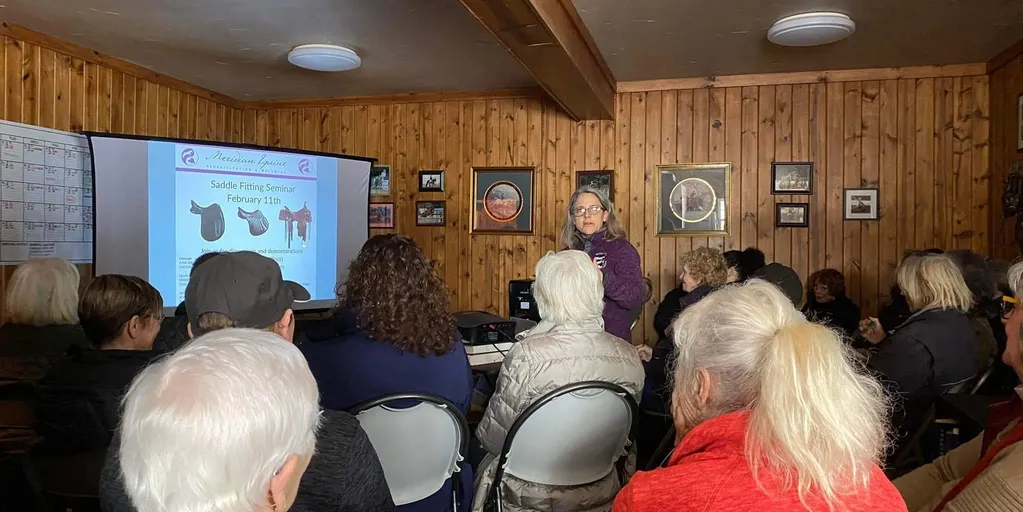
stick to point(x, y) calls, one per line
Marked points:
point(601, 180)
point(502, 200)
point(854, 212)
point(781, 211)
point(380, 181)
point(804, 177)
point(431, 218)
point(386, 221)
point(426, 186)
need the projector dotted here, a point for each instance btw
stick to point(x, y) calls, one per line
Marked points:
point(480, 328)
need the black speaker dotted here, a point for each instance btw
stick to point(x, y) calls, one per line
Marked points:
point(520, 300)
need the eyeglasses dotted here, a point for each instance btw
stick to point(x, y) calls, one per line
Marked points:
point(581, 211)
point(1008, 305)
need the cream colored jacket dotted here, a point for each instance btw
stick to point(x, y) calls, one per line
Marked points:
point(533, 367)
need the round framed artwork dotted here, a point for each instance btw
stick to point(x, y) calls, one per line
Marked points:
point(502, 201)
point(692, 200)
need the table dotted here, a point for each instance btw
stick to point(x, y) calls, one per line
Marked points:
point(486, 357)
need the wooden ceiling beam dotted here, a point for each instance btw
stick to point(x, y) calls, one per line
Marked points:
point(551, 42)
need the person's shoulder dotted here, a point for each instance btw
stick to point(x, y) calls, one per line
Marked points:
point(339, 426)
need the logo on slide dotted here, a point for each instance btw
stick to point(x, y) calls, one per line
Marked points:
point(188, 156)
point(303, 166)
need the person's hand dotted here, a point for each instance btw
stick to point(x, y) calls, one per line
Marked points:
point(871, 330)
point(645, 352)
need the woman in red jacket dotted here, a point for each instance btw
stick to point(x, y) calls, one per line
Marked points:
point(772, 414)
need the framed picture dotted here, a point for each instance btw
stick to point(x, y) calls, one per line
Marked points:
point(430, 213)
point(791, 215)
point(861, 204)
point(380, 180)
point(792, 178)
point(692, 199)
point(431, 181)
point(381, 215)
point(502, 200)
point(600, 180)
point(1019, 123)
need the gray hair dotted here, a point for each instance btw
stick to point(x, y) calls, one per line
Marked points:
point(208, 427)
point(42, 292)
point(571, 238)
point(568, 288)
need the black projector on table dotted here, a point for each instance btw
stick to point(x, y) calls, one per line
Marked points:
point(480, 328)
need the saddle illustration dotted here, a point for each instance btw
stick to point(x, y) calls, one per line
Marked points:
point(257, 222)
point(211, 221)
point(302, 217)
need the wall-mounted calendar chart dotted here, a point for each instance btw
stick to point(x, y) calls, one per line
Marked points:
point(45, 195)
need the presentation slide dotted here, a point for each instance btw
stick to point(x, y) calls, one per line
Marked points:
point(309, 212)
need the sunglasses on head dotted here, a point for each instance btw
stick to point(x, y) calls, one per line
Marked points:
point(1008, 305)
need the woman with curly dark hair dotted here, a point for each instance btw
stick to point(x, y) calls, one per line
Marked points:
point(391, 332)
point(827, 303)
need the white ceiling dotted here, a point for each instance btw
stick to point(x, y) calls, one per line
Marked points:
point(239, 47)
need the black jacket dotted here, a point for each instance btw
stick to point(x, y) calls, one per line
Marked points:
point(78, 402)
point(667, 310)
point(27, 351)
point(841, 313)
point(655, 389)
point(343, 475)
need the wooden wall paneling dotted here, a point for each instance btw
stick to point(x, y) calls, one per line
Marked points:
point(164, 120)
point(482, 256)
point(467, 264)
point(651, 244)
point(13, 54)
point(506, 243)
point(716, 141)
point(637, 183)
point(668, 269)
point(190, 110)
point(535, 158)
point(782, 153)
point(962, 173)
point(156, 124)
point(83, 93)
point(852, 138)
point(174, 115)
point(925, 180)
point(90, 96)
point(518, 251)
point(683, 154)
point(870, 160)
point(454, 246)
point(701, 139)
point(1003, 150)
point(905, 179)
point(734, 134)
point(623, 159)
point(44, 88)
point(834, 179)
point(491, 243)
point(440, 161)
point(104, 106)
point(141, 111)
point(800, 123)
point(980, 170)
point(765, 155)
point(345, 118)
point(888, 171)
point(249, 125)
point(943, 112)
point(63, 75)
point(820, 208)
point(31, 68)
point(750, 130)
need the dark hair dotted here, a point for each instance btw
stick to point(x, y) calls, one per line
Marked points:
point(733, 258)
point(751, 260)
point(976, 272)
point(934, 250)
point(202, 259)
point(832, 279)
point(110, 301)
point(397, 298)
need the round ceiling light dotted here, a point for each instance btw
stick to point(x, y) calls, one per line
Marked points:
point(324, 57)
point(811, 29)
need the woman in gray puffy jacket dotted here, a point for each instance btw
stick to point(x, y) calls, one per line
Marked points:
point(569, 345)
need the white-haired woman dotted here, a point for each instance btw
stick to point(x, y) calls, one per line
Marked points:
point(225, 424)
point(987, 472)
point(592, 227)
point(772, 414)
point(568, 345)
point(934, 348)
point(40, 318)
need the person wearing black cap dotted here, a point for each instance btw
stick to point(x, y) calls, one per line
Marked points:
point(246, 289)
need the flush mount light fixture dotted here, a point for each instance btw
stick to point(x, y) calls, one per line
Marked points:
point(324, 57)
point(811, 29)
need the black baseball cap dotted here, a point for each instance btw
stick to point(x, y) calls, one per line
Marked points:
point(246, 286)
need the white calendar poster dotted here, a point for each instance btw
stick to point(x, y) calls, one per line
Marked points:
point(45, 195)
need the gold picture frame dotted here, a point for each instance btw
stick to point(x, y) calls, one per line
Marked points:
point(693, 199)
point(501, 200)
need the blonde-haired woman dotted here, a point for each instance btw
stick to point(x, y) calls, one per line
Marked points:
point(772, 414)
point(40, 318)
point(591, 227)
point(934, 348)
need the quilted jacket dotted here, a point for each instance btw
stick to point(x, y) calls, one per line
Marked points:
point(537, 365)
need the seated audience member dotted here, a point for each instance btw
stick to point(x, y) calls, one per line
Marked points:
point(703, 270)
point(896, 310)
point(568, 345)
point(985, 474)
point(934, 348)
point(392, 332)
point(174, 329)
point(735, 271)
point(79, 400)
point(827, 303)
point(246, 289)
point(771, 412)
point(754, 265)
point(985, 315)
point(227, 423)
point(40, 318)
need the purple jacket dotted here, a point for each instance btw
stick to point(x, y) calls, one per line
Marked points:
point(624, 289)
